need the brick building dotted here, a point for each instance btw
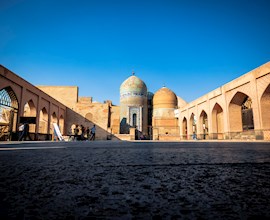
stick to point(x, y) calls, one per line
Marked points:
point(239, 109)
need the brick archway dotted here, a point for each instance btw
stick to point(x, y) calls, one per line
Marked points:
point(265, 108)
point(240, 113)
point(217, 122)
point(9, 113)
point(203, 125)
point(192, 126)
point(184, 129)
point(30, 111)
point(43, 121)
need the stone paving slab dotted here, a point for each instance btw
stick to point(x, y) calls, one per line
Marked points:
point(135, 180)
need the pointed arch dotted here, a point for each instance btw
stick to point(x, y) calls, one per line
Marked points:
point(217, 122)
point(265, 108)
point(29, 110)
point(8, 113)
point(43, 121)
point(8, 98)
point(241, 113)
point(61, 124)
point(53, 120)
point(184, 129)
point(193, 126)
point(134, 120)
point(203, 125)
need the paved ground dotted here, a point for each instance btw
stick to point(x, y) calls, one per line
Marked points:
point(140, 180)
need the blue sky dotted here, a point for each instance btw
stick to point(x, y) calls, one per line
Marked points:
point(191, 46)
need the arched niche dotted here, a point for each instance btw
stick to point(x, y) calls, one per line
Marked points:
point(61, 124)
point(184, 129)
point(193, 126)
point(203, 123)
point(43, 121)
point(9, 107)
point(30, 110)
point(265, 108)
point(241, 113)
point(53, 120)
point(217, 122)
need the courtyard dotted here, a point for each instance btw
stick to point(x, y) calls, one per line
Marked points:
point(135, 180)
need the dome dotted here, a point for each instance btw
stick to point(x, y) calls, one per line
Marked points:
point(133, 86)
point(165, 98)
point(150, 95)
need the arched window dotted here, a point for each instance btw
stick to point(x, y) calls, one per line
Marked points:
point(8, 113)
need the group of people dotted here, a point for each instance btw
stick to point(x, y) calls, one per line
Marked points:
point(79, 133)
point(84, 134)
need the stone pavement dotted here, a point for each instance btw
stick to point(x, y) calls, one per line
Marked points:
point(135, 180)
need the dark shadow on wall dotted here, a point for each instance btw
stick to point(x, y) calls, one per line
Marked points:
point(124, 127)
point(73, 118)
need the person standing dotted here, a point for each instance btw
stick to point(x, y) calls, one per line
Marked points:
point(76, 132)
point(25, 133)
point(83, 132)
point(88, 133)
point(21, 128)
point(93, 133)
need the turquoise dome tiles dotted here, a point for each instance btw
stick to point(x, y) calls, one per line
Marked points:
point(133, 86)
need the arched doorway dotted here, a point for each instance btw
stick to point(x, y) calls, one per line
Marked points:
point(184, 129)
point(43, 121)
point(193, 127)
point(203, 125)
point(53, 120)
point(134, 120)
point(217, 122)
point(265, 112)
point(240, 114)
point(247, 115)
point(8, 114)
point(265, 108)
point(61, 124)
point(30, 111)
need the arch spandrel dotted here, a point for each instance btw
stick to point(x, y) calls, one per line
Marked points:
point(245, 89)
point(262, 84)
point(238, 98)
